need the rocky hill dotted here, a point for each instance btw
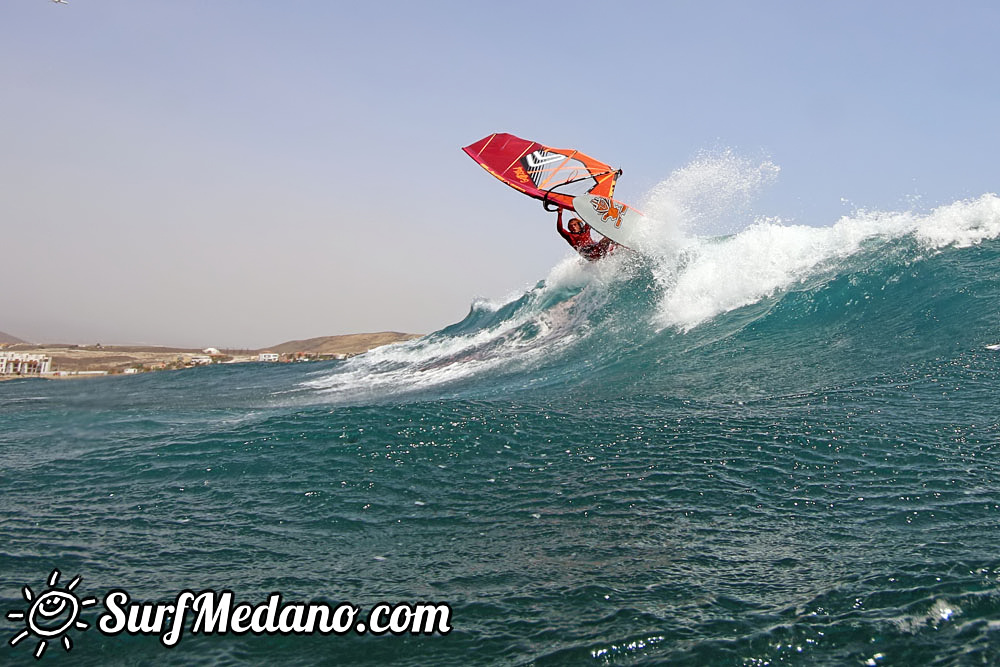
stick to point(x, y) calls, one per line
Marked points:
point(7, 338)
point(345, 344)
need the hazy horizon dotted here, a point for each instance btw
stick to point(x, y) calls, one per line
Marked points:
point(4, 335)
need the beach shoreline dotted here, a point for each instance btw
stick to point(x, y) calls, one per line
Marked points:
point(72, 361)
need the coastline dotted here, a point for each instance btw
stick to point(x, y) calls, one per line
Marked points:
point(70, 361)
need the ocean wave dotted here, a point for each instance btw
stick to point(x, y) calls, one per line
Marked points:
point(686, 289)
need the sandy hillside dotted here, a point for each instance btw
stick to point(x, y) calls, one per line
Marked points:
point(116, 358)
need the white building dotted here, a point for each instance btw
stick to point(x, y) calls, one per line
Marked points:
point(267, 356)
point(24, 363)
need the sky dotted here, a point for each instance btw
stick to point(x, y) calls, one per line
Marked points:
point(241, 173)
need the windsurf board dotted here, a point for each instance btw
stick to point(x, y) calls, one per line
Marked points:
point(610, 217)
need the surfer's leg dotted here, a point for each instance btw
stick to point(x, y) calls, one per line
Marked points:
point(591, 252)
point(604, 247)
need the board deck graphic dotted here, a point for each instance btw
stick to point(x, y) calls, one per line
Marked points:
point(609, 217)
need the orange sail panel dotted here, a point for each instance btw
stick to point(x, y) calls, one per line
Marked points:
point(553, 175)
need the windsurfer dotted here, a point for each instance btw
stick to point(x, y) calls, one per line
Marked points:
point(578, 236)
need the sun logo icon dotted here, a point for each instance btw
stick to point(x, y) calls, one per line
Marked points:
point(51, 615)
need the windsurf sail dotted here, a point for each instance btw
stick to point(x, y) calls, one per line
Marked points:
point(554, 175)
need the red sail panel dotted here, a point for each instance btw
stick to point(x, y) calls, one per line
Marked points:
point(551, 174)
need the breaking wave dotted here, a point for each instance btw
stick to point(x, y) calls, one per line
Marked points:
point(690, 292)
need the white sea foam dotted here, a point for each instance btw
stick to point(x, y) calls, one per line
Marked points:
point(961, 224)
point(533, 333)
point(713, 276)
point(939, 613)
point(703, 275)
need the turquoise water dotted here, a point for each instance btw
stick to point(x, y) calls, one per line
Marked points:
point(777, 447)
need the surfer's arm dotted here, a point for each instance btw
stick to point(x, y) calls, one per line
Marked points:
point(559, 225)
